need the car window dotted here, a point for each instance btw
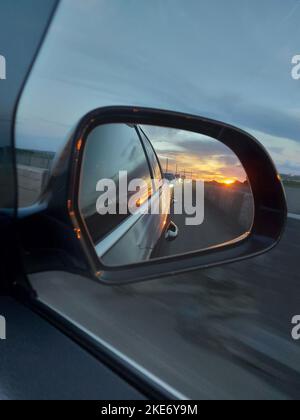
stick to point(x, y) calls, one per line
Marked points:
point(110, 148)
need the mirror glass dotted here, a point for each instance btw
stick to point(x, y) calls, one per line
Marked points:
point(152, 192)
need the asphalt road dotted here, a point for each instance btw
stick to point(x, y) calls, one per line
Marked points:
point(216, 229)
point(219, 333)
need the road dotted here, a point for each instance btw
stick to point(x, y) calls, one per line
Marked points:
point(219, 333)
point(216, 229)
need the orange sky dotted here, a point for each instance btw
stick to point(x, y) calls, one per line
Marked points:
point(208, 159)
point(207, 168)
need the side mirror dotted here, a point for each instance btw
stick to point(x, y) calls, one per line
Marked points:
point(153, 193)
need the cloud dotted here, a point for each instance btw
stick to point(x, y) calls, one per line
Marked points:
point(194, 153)
point(284, 151)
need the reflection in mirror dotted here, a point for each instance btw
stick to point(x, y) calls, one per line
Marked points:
point(151, 192)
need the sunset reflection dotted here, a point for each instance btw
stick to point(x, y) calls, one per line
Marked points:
point(194, 156)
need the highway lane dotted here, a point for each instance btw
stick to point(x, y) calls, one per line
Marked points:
point(216, 229)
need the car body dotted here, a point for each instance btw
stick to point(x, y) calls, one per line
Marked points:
point(141, 230)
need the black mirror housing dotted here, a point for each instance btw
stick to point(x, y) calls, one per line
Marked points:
point(269, 197)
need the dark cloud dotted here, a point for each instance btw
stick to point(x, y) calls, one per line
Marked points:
point(279, 123)
point(205, 148)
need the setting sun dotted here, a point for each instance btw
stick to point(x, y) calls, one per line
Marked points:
point(229, 181)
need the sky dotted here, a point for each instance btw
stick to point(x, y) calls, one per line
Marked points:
point(195, 155)
point(230, 61)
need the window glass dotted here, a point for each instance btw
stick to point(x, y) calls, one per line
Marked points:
point(111, 148)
